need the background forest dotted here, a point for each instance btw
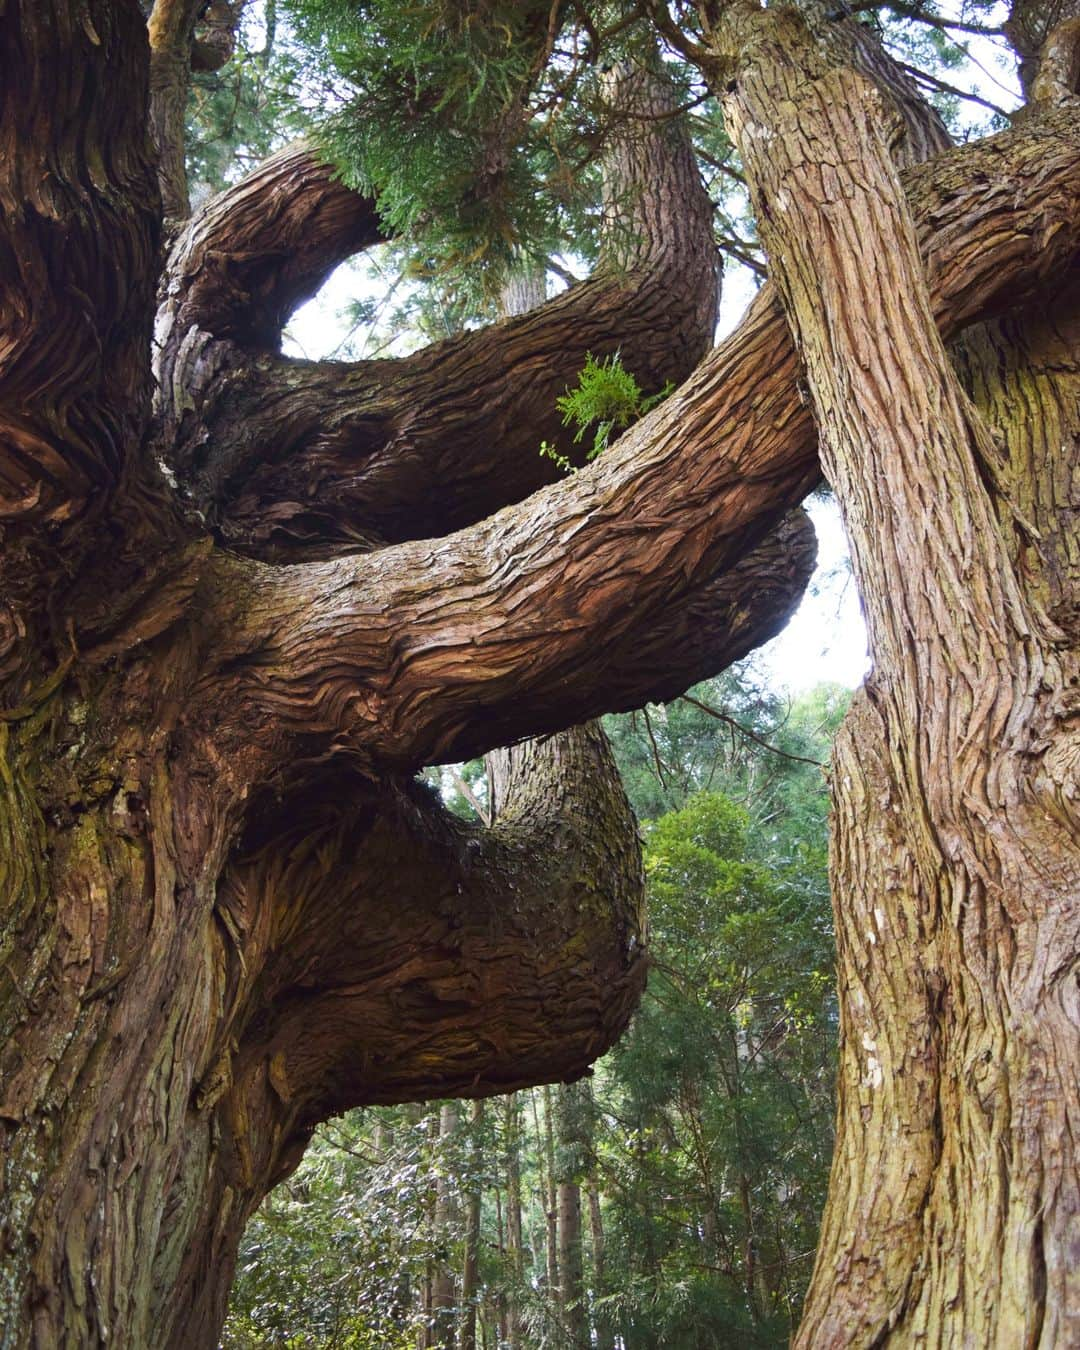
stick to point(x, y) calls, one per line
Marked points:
point(671, 1199)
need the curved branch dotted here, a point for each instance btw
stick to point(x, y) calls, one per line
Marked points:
point(468, 960)
point(415, 956)
point(426, 652)
point(295, 459)
point(712, 627)
point(255, 251)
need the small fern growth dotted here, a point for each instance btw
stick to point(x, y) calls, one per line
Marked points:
point(607, 399)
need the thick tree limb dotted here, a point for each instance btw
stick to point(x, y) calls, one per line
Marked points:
point(256, 251)
point(915, 130)
point(717, 624)
point(1028, 27)
point(539, 917)
point(298, 459)
point(424, 652)
point(413, 956)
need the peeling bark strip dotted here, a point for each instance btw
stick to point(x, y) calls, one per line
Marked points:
point(955, 1200)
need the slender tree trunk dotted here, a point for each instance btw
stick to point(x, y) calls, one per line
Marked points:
point(954, 1202)
point(444, 1304)
point(426, 1335)
point(551, 1203)
point(602, 1327)
point(514, 1331)
point(470, 1267)
point(571, 1124)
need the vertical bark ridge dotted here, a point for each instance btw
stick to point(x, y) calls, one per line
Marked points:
point(973, 745)
point(1023, 374)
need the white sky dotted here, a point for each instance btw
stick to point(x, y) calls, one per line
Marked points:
point(826, 638)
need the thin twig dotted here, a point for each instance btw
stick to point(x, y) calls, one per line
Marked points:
point(917, 13)
point(943, 87)
point(655, 750)
point(750, 735)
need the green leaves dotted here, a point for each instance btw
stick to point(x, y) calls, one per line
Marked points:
point(607, 399)
point(432, 117)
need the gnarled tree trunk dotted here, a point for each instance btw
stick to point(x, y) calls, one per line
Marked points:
point(240, 606)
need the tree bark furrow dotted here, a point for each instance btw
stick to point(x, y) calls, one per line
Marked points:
point(78, 255)
point(955, 772)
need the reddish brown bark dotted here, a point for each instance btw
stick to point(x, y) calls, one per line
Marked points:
point(954, 1203)
point(227, 912)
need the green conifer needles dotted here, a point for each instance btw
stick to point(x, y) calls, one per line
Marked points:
point(607, 399)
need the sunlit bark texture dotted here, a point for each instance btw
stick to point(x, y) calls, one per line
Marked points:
point(243, 600)
point(955, 1205)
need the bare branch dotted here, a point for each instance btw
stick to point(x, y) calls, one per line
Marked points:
point(748, 732)
point(943, 86)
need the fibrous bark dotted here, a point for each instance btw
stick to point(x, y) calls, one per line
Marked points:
point(954, 1202)
point(227, 912)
